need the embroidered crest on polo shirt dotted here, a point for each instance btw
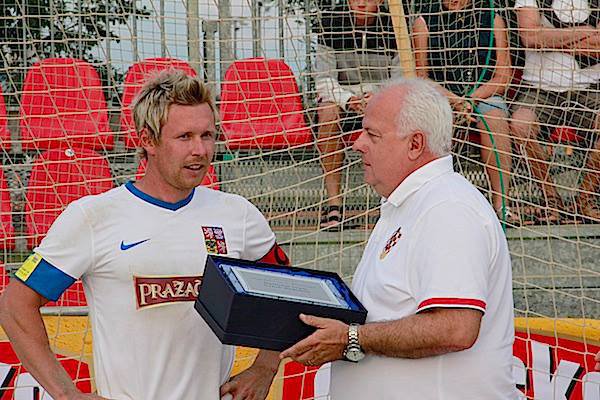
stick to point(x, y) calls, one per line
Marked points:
point(153, 291)
point(214, 239)
point(391, 243)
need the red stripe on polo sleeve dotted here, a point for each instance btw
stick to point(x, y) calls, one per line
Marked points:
point(451, 302)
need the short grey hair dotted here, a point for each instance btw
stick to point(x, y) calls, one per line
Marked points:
point(422, 107)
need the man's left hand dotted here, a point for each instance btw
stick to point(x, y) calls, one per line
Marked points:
point(326, 344)
point(251, 384)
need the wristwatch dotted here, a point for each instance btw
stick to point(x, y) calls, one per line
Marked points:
point(353, 351)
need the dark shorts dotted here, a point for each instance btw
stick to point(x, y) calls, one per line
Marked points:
point(574, 108)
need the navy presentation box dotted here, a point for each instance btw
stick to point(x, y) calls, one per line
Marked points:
point(257, 305)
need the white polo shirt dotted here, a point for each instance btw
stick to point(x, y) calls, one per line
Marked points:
point(552, 69)
point(437, 243)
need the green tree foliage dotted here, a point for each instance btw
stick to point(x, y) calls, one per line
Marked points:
point(31, 30)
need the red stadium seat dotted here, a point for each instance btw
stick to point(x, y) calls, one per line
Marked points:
point(5, 143)
point(136, 75)
point(63, 103)
point(565, 134)
point(59, 177)
point(7, 232)
point(261, 107)
point(210, 180)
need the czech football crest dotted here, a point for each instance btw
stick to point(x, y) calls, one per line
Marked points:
point(214, 239)
point(391, 243)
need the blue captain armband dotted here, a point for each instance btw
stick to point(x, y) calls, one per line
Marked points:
point(43, 277)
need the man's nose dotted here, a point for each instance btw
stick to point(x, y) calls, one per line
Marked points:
point(199, 147)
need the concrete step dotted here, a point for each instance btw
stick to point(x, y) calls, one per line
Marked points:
point(287, 186)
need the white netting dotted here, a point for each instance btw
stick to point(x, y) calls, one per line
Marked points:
point(70, 69)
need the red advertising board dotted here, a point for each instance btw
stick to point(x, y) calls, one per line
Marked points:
point(546, 367)
point(18, 384)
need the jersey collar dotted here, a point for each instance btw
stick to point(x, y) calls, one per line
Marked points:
point(160, 203)
point(419, 178)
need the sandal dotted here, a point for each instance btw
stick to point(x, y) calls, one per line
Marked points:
point(528, 214)
point(331, 218)
point(587, 210)
point(552, 213)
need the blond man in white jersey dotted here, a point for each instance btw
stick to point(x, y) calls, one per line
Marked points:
point(153, 233)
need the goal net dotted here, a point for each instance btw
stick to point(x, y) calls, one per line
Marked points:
point(291, 79)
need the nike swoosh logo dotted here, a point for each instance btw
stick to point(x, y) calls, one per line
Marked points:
point(130, 245)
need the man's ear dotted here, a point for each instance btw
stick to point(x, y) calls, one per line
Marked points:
point(146, 141)
point(417, 145)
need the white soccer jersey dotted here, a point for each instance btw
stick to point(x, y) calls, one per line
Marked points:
point(141, 261)
point(438, 243)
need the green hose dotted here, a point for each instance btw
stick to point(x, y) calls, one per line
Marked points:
point(487, 127)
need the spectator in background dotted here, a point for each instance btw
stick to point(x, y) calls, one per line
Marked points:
point(463, 46)
point(356, 51)
point(562, 41)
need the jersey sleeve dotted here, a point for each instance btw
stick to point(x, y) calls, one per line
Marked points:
point(258, 236)
point(62, 257)
point(451, 259)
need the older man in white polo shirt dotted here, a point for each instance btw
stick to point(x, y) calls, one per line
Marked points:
point(435, 275)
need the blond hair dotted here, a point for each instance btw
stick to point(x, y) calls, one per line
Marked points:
point(151, 105)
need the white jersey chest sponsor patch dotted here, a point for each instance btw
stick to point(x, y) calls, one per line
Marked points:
point(153, 291)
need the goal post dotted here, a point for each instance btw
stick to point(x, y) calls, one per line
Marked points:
point(70, 69)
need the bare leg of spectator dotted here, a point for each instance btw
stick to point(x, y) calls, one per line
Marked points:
point(587, 205)
point(525, 127)
point(330, 147)
point(497, 121)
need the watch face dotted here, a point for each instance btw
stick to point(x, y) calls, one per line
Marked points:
point(355, 355)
